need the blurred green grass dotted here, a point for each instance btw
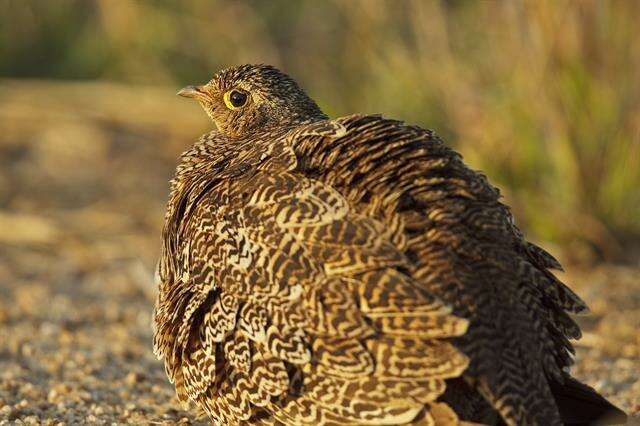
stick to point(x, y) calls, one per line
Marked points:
point(544, 96)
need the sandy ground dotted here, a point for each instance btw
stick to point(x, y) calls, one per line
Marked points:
point(82, 192)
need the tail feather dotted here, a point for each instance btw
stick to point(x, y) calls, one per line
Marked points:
point(580, 404)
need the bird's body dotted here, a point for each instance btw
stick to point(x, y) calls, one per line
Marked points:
point(351, 271)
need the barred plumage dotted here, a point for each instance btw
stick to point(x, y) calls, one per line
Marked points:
point(350, 271)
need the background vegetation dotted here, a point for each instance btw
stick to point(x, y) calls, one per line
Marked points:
point(542, 95)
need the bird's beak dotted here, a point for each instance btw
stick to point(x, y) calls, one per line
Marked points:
point(195, 92)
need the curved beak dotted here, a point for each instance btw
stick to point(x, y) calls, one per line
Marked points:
point(195, 92)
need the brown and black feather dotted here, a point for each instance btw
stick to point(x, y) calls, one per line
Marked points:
point(352, 271)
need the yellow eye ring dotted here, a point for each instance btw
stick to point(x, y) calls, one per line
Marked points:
point(235, 99)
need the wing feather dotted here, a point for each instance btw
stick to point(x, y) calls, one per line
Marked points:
point(285, 300)
point(465, 249)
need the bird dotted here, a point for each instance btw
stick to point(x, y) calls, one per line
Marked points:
point(318, 271)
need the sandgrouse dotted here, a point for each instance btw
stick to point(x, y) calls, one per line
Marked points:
point(353, 271)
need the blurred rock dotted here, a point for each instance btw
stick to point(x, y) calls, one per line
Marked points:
point(72, 152)
point(27, 229)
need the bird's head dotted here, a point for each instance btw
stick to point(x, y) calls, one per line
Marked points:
point(244, 99)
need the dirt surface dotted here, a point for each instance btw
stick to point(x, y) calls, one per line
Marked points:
point(82, 192)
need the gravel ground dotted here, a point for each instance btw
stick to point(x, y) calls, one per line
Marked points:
point(82, 192)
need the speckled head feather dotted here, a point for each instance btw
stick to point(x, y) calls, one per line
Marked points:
point(352, 271)
point(270, 99)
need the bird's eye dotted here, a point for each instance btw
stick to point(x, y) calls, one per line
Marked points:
point(235, 99)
